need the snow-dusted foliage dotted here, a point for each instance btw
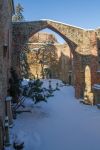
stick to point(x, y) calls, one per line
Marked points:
point(61, 124)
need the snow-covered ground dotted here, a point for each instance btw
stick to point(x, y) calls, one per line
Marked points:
point(63, 123)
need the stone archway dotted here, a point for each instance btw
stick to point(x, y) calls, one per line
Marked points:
point(80, 41)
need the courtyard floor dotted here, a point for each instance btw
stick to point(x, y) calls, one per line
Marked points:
point(63, 123)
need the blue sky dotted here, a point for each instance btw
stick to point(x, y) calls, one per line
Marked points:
point(81, 13)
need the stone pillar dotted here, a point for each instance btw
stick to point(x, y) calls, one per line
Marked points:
point(77, 73)
point(96, 90)
point(9, 109)
point(7, 138)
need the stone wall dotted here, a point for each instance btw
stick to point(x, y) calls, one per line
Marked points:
point(42, 37)
point(65, 63)
point(6, 9)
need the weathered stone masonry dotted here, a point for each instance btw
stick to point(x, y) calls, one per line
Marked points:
point(82, 43)
point(6, 10)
